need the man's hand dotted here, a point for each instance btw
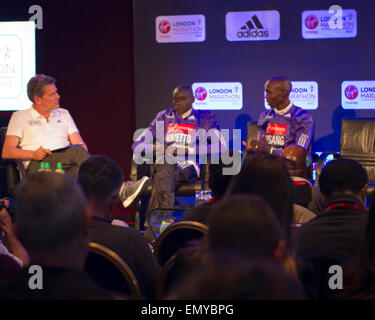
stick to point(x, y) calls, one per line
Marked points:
point(255, 145)
point(41, 153)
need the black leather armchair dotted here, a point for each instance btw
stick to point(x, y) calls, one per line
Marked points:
point(357, 142)
point(11, 171)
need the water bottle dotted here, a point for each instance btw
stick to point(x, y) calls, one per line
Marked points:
point(207, 195)
point(59, 168)
point(42, 167)
point(198, 198)
point(47, 167)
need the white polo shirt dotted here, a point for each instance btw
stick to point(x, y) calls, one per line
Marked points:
point(34, 130)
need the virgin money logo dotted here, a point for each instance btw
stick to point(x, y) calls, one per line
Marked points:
point(201, 93)
point(311, 22)
point(351, 92)
point(164, 26)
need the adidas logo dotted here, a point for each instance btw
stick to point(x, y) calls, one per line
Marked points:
point(250, 24)
point(252, 29)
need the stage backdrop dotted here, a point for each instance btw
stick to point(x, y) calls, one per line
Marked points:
point(228, 53)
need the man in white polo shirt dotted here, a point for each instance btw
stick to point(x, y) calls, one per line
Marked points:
point(45, 132)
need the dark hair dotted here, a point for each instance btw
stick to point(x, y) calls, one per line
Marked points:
point(35, 86)
point(283, 81)
point(48, 210)
point(245, 224)
point(100, 177)
point(266, 175)
point(227, 276)
point(342, 175)
point(185, 88)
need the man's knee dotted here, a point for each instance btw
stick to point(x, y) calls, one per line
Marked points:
point(78, 149)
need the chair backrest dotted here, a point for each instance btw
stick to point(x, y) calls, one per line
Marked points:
point(252, 131)
point(176, 268)
point(177, 236)
point(165, 278)
point(11, 171)
point(111, 271)
point(357, 142)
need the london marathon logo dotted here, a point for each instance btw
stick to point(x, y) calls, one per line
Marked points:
point(164, 26)
point(311, 22)
point(200, 93)
point(351, 92)
point(253, 28)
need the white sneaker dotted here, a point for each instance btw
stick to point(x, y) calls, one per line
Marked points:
point(131, 189)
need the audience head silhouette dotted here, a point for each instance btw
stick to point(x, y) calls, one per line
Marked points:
point(101, 178)
point(247, 225)
point(265, 175)
point(227, 276)
point(343, 176)
point(50, 219)
point(300, 162)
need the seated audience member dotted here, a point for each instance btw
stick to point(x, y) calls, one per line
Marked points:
point(218, 183)
point(299, 164)
point(101, 179)
point(45, 131)
point(336, 234)
point(359, 275)
point(265, 175)
point(228, 276)
point(240, 225)
point(300, 169)
point(243, 225)
point(338, 231)
point(247, 225)
point(52, 224)
point(9, 244)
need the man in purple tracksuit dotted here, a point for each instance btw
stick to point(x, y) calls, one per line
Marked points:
point(284, 124)
point(172, 135)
